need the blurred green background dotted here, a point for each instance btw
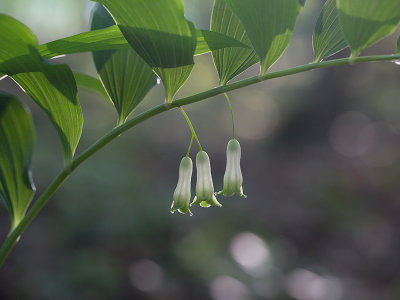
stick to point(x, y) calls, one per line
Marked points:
point(321, 166)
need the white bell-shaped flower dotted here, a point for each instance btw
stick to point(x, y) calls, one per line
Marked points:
point(182, 194)
point(233, 178)
point(204, 187)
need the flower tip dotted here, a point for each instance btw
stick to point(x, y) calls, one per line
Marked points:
point(204, 204)
point(185, 210)
point(215, 202)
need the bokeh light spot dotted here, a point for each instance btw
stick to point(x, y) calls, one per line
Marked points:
point(352, 134)
point(146, 275)
point(305, 285)
point(251, 252)
point(228, 288)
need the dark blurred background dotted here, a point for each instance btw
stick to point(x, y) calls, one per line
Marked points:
point(321, 165)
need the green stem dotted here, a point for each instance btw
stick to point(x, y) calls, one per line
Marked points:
point(64, 174)
point(233, 119)
point(191, 127)
point(190, 146)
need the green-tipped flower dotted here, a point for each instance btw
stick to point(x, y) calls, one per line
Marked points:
point(204, 187)
point(233, 178)
point(182, 193)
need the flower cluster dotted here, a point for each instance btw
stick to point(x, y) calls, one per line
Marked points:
point(205, 196)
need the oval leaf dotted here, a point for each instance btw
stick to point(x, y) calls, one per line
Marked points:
point(160, 34)
point(363, 24)
point(16, 149)
point(269, 25)
point(230, 62)
point(52, 87)
point(328, 38)
point(124, 74)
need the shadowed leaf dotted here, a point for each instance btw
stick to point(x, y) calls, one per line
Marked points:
point(160, 34)
point(124, 74)
point(328, 37)
point(230, 62)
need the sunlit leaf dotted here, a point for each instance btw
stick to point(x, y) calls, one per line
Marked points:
point(328, 38)
point(366, 22)
point(269, 25)
point(52, 87)
point(230, 62)
point(160, 34)
point(125, 75)
point(111, 38)
point(16, 149)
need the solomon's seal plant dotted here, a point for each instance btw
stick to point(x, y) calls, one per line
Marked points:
point(129, 53)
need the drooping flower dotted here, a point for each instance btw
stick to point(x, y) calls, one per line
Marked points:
point(182, 194)
point(204, 186)
point(233, 178)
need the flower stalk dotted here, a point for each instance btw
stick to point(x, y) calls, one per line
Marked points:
point(233, 119)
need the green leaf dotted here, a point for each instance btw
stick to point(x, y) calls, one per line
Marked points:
point(52, 87)
point(160, 34)
point(210, 41)
point(363, 24)
point(230, 62)
point(328, 38)
point(90, 83)
point(269, 25)
point(124, 74)
point(398, 45)
point(16, 149)
point(111, 38)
